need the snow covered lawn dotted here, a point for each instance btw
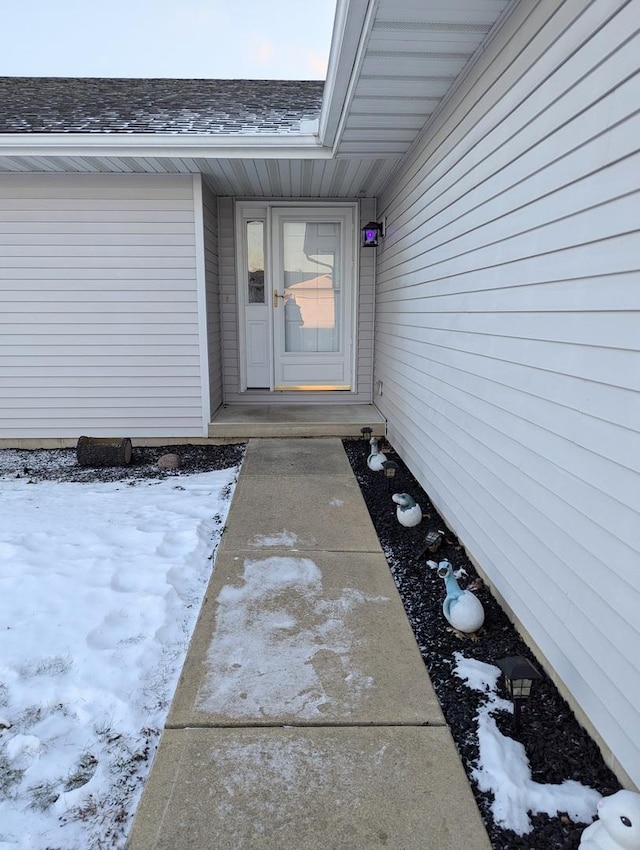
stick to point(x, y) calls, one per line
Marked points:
point(100, 588)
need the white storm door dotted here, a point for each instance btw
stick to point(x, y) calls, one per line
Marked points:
point(313, 285)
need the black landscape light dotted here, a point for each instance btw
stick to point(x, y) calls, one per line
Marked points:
point(371, 233)
point(519, 675)
point(366, 433)
point(432, 543)
point(389, 467)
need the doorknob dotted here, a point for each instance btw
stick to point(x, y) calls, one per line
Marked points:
point(276, 295)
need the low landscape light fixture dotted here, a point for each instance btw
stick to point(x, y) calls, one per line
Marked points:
point(389, 467)
point(371, 233)
point(519, 675)
point(432, 543)
point(366, 433)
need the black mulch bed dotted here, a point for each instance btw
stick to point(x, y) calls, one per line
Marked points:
point(62, 465)
point(557, 747)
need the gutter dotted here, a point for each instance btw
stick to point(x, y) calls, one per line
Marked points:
point(200, 146)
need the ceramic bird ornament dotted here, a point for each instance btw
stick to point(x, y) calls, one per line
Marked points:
point(618, 824)
point(409, 512)
point(462, 609)
point(376, 458)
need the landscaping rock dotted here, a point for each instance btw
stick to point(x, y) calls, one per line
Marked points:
point(169, 461)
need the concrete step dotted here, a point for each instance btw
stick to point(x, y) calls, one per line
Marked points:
point(236, 421)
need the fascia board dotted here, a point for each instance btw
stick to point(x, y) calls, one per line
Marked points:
point(164, 145)
point(351, 22)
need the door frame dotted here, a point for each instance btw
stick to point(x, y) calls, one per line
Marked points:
point(251, 210)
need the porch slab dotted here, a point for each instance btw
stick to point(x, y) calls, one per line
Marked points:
point(242, 421)
point(318, 639)
point(308, 788)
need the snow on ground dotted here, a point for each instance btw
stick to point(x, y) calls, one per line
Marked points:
point(100, 587)
point(280, 642)
point(503, 768)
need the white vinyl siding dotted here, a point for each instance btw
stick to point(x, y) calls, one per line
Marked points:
point(212, 278)
point(364, 324)
point(98, 307)
point(508, 339)
point(229, 290)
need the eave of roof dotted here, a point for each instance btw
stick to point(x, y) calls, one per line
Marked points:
point(201, 146)
point(352, 24)
point(392, 70)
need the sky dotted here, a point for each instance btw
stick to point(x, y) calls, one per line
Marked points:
point(226, 39)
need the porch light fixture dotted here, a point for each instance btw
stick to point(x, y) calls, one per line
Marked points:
point(519, 675)
point(371, 233)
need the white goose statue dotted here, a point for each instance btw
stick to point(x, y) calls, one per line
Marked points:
point(409, 512)
point(376, 458)
point(461, 608)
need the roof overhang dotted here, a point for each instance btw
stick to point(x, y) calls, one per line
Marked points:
point(164, 146)
point(387, 89)
point(392, 67)
point(353, 21)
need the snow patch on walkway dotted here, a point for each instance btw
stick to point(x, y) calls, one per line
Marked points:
point(281, 644)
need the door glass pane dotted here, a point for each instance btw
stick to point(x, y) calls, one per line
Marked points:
point(311, 265)
point(255, 262)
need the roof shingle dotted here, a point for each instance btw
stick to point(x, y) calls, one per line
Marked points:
point(95, 105)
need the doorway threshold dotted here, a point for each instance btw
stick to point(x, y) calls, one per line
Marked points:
point(240, 421)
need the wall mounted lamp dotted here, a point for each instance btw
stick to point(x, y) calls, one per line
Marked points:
point(371, 233)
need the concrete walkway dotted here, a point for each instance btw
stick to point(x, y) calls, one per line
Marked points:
point(304, 717)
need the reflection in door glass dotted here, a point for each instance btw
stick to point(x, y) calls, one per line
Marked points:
point(255, 261)
point(311, 261)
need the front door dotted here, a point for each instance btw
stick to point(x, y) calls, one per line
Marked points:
point(312, 298)
point(298, 330)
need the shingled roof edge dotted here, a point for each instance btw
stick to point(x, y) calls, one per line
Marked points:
point(152, 106)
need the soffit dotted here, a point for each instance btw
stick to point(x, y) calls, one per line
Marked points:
point(261, 178)
point(411, 54)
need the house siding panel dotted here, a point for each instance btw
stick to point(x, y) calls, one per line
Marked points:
point(212, 279)
point(507, 340)
point(99, 311)
point(228, 307)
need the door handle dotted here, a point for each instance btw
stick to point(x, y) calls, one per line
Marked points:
point(276, 295)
